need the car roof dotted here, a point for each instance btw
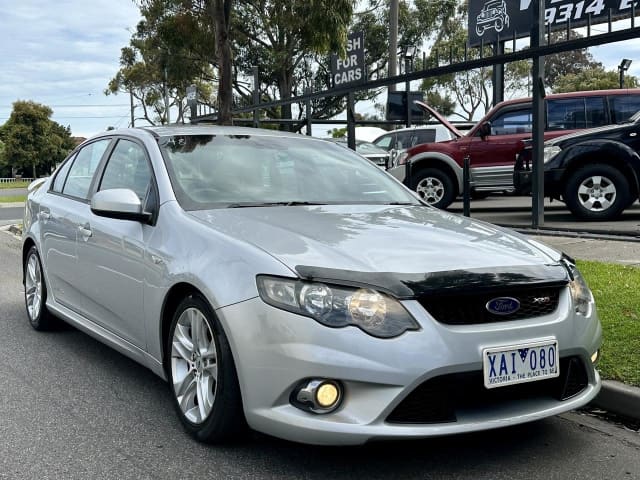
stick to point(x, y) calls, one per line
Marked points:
point(199, 129)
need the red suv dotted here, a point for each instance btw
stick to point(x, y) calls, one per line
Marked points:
point(434, 170)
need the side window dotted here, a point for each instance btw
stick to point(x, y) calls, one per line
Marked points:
point(596, 114)
point(61, 176)
point(566, 114)
point(512, 121)
point(403, 140)
point(623, 107)
point(127, 167)
point(384, 142)
point(81, 172)
point(423, 136)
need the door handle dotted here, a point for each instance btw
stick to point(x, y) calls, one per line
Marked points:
point(44, 215)
point(85, 231)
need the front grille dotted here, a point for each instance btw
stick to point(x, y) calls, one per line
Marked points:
point(437, 400)
point(469, 309)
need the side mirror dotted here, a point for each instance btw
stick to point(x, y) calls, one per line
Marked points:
point(485, 130)
point(119, 203)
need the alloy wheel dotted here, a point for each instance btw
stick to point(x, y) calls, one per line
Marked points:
point(33, 287)
point(430, 189)
point(597, 193)
point(194, 365)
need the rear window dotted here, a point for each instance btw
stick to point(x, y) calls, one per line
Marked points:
point(623, 107)
point(575, 113)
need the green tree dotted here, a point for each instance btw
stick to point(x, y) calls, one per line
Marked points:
point(561, 64)
point(5, 170)
point(594, 78)
point(283, 37)
point(33, 142)
point(172, 47)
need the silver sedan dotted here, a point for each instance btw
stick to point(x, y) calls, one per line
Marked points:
point(286, 284)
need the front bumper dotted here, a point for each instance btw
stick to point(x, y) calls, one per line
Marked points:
point(274, 350)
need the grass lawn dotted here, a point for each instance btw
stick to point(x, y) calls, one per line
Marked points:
point(12, 198)
point(617, 293)
point(7, 185)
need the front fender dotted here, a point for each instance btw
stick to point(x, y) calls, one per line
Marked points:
point(427, 159)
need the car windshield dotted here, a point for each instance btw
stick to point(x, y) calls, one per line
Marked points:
point(222, 171)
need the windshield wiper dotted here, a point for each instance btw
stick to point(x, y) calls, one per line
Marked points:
point(271, 204)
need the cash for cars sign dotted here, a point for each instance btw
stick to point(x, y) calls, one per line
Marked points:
point(349, 69)
point(493, 19)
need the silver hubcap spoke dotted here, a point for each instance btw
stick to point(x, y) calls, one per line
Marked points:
point(33, 287)
point(194, 365)
point(597, 193)
point(431, 190)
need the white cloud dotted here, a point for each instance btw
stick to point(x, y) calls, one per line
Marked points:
point(64, 53)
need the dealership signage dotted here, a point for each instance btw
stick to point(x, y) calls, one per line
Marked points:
point(349, 69)
point(504, 19)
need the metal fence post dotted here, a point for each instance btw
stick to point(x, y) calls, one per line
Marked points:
point(256, 97)
point(307, 105)
point(351, 121)
point(466, 191)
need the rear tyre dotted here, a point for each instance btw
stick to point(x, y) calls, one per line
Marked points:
point(434, 187)
point(202, 374)
point(35, 293)
point(597, 192)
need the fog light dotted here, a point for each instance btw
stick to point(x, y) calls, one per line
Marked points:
point(317, 395)
point(595, 357)
point(327, 395)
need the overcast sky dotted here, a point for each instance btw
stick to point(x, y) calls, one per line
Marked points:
point(63, 54)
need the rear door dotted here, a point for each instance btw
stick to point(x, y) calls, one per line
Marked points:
point(61, 213)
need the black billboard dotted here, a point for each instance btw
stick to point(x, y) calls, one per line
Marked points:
point(350, 69)
point(493, 19)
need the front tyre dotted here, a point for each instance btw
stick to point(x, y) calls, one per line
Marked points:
point(434, 187)
point(35, 293)
point(202, 374)
point(597, 192)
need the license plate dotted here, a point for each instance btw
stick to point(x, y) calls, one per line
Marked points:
point(520, 363)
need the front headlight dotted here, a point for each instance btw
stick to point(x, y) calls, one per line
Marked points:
point(580, 294)
point(550, 152)
point(335, 306)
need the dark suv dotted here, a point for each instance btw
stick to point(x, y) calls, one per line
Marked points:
point(435, 170)
point(595, 172)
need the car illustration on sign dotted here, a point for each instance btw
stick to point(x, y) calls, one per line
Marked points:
point(493, 15)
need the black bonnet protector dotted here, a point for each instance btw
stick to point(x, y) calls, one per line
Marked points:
point(415, 285)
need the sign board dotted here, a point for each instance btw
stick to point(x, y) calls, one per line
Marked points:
point(493, 19)
point(350, 69)
point(397, 106)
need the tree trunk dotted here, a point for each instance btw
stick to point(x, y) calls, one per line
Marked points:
point(34, 172)
point(284, 86)
point(221, 13)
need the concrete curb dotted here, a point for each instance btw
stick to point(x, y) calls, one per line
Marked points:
point(619, 398)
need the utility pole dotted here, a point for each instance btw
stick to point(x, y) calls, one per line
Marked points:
point(393, 41)
point(166, 93)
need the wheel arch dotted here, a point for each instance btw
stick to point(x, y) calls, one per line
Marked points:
point(171, 301)
point(440, 161)
point(615, 157)
point(26, 246)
